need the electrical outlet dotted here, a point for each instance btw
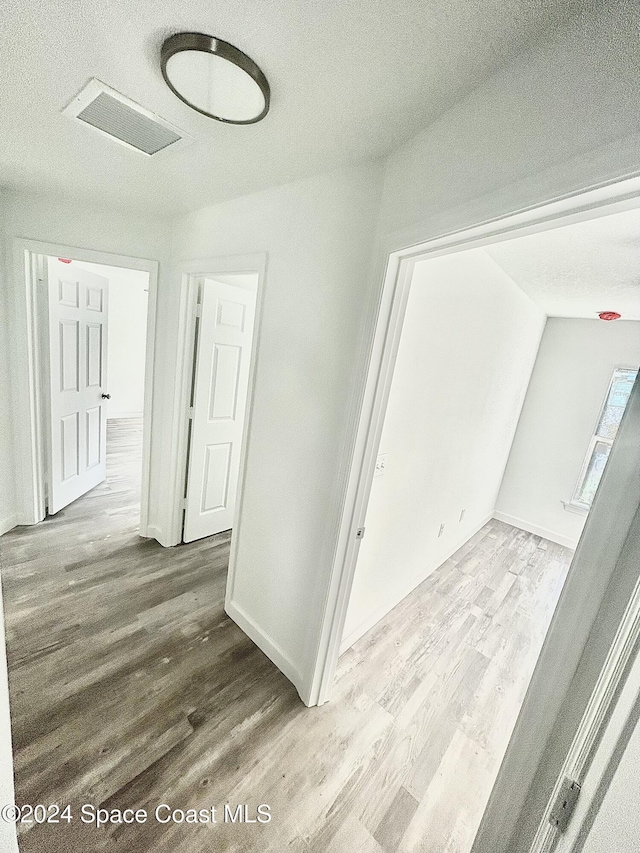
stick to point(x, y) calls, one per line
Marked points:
point(441, 530)
point(381, 464)
point(462, 515)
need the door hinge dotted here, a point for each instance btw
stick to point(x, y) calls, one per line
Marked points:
point(191, 413)
point(565, 804)
point(198, 309)
point(360, 533)
point(184, 504)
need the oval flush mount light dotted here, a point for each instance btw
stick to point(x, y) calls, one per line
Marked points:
point(215, 78)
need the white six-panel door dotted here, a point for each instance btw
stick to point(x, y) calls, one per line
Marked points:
point(77, 365)
point(221, 380)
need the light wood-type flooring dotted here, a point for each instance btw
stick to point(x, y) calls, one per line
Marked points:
point(130, 687)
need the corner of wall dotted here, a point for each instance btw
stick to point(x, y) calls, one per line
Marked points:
point(271, 649)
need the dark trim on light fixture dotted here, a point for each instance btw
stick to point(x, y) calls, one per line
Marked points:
point(209, 44)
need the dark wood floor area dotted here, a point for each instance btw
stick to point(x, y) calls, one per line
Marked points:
point(131, 688)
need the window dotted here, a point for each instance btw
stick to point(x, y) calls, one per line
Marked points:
point(613, 408)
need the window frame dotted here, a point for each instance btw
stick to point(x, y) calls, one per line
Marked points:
point(575, 504)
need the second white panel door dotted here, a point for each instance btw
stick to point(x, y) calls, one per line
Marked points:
point(221, 379)
point(77, 303)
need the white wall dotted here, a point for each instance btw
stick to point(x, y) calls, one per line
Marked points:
point(8, 842)
point(468, 345)
point(567, 389)
point(318, 237)
point(126, 345)
point(7, 502)
point(128, 302)
point(560, 118)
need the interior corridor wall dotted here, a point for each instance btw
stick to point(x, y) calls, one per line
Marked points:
point(318, 236)
point(468, 346)
point(8, 840)
point(567, 389)
point(7, 503)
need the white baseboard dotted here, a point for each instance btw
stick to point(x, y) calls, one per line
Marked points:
point(403, 592)
point(271, 649)
point(551, 535)
point(154, 532)
point(124, 415)
point(8, 523)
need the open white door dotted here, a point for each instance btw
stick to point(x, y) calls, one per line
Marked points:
point(77, 367)
point(221, 380)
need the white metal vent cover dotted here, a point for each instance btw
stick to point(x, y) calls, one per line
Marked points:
point(121, 119)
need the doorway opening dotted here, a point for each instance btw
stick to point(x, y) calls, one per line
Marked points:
point(93, 348)
point(225, 309)
point(62, 445)
point(496, 400)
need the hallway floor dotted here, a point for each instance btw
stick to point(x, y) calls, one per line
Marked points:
point(130, 687)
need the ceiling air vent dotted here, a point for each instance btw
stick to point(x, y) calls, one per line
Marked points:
point(119, 118)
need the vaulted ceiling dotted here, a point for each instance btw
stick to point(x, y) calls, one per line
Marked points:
point(350, 80)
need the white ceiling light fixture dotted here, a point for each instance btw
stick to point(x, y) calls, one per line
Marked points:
point(215, 78)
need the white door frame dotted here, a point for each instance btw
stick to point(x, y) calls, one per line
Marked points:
point(613, 197)
point(604, 701)
point(604, 736)
point(190, 272)
point(26, 269)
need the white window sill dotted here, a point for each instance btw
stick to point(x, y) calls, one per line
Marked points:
point(579, 509)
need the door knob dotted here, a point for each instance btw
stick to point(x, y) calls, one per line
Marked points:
point(106, 396)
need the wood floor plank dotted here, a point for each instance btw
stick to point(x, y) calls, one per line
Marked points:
point(395, 822)
point(131, 687)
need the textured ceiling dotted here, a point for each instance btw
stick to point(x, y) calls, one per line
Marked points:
point(349, 79)
point(579, 270)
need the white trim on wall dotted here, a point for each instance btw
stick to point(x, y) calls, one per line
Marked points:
point(263, 641)
point(8, 523)
point(27, 271)
point(523, 524)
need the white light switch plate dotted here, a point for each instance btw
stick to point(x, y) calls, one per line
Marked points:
point(381, 464)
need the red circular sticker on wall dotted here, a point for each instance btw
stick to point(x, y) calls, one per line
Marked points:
point(64, 260)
